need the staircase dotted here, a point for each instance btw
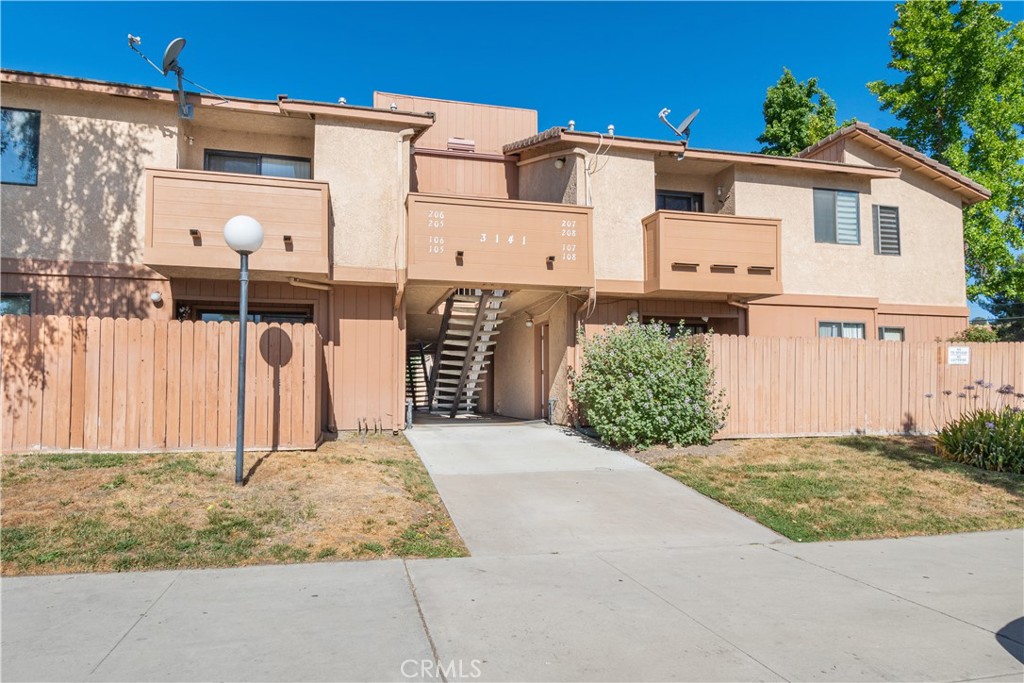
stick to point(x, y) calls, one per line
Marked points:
point(464, 349)
point(417, 375)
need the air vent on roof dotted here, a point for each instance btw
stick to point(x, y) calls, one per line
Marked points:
point(461, 145)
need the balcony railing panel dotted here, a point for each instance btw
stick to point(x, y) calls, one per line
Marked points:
point(186, 211)
point(712, 253)
point(501, 242)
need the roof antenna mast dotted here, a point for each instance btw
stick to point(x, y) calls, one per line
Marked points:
point(682, 130)
point(170, 64)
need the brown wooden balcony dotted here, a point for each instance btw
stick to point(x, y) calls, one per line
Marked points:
point(703, 253)
point(469, 240)
point(186, 211)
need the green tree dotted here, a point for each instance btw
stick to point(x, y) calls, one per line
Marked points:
point(961, 102)
point(796, 115)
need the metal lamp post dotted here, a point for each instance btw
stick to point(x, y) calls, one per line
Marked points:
point(244, 234)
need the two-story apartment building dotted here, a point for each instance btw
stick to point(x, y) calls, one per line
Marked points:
point(453, 245)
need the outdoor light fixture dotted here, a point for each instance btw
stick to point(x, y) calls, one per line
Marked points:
point(559, 162)
point(529, 322)
point(156, 297)
point(244, 234)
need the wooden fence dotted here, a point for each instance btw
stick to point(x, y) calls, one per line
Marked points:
point(117, 384)
point(798, 386)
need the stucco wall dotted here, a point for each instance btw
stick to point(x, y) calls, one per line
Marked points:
point(241, 140)
point(365, 168)
point(515, 365)
point(89, 203)
point(622, 189)
point(681, 182)
point(929, 271)
point(931, 233)
point(540, 181)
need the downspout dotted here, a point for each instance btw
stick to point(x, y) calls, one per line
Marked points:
point(401, 275)
point(745, 320)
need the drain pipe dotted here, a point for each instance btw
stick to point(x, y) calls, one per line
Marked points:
point(408, 413)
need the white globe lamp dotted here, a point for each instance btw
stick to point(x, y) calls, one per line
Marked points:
point(244, 234)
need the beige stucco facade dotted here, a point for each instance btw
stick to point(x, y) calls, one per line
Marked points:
point(89, 202)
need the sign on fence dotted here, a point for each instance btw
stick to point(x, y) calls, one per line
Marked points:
point(958, 355)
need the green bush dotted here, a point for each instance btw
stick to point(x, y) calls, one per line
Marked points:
point(640, 387)
point(992, 439)
point(976, 333)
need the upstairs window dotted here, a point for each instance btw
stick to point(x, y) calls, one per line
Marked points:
point(891, 333)
point(836, 216)
point(19, 146)
point(844, 330)
point(668, 200)
point(887, 230)
point(257, 164)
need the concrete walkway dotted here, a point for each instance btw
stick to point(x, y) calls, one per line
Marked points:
point(719, 599)
point(528, 488)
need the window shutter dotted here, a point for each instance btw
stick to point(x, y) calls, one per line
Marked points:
point(887, 230)
point(824, 216)
point(847, 223)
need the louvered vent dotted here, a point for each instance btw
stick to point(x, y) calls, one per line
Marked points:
point(887, 230)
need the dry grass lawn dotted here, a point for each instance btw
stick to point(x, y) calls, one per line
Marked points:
point(850, 487)
point(78, 512)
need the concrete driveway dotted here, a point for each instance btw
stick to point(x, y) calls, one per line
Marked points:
point(519, 488)
point(587, 566)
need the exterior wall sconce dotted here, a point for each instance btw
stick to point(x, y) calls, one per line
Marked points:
point(559, 162)
point(529, 322)
point(156, 297)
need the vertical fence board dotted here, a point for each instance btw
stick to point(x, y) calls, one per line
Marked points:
point(184, 372)
point(147, 389)
point(133, 389)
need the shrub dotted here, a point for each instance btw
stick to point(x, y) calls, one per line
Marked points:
point(639, 387)
point(992, 439)
point(976, 333)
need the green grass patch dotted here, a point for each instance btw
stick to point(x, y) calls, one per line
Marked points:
point(854, 487)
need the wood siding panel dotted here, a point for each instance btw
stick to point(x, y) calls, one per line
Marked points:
point(502, 242)
point(182, 200)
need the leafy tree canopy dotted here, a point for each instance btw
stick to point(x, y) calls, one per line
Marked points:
point(796, 115)
point(961, 101)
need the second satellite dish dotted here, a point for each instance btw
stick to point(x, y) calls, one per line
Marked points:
point(174, 49)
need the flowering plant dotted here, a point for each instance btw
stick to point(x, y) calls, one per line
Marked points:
point(990, 434)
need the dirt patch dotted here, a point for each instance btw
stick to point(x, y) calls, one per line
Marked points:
point(658, 454)
point(101, 512)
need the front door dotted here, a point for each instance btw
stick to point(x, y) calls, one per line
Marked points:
point(543, 382)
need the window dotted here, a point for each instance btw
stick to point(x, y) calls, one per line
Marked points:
point(677, 327)
point(19, 146)
point(668, 200)
point(258, 313)
point(15, 304)
point(257, 164)
point(887, 230)
point(836, 216)
point(890, 333)
point(844, 330)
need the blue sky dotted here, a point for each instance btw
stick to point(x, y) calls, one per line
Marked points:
point(597, 63)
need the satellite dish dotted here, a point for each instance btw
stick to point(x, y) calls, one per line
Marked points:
point(683, 129)
point(174, 49)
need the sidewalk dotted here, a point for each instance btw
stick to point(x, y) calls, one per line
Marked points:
point(587, 566)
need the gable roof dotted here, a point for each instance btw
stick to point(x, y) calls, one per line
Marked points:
point(972, 191)
point(560, 134)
